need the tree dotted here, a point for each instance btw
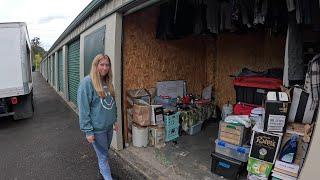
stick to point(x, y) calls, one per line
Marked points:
point(37, 52)
point(37, 60)
point(35, 41)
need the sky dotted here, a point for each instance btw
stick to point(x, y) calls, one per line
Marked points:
point(46, 19)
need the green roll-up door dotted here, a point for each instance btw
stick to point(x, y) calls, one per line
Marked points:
point(60, 71)
point(46, 66)
point(47, 69)
point(53, 71)
point(73, 70)
point(50, 70)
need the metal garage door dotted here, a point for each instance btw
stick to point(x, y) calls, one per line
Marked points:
point(54, 71)
point(60, 71)
point(47, 69)
point(73, 70)
point(49, 72)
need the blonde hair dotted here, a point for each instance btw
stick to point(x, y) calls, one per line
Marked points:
point(95, 76)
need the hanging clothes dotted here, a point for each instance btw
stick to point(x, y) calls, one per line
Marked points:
point(315, 15)
point(277, 17)
point(299, 11)
point(306, 11)
point(165, 27)
point(175, 20)
point(294, 66)
point(247, 12)
point(200, 16)
point(295, 8)
point(212, 15)
point(183, 20)
point(236, 16)
point(260, 11)
point(225, 15)
point(236, 11)
point(291, 5)
point(312, 81)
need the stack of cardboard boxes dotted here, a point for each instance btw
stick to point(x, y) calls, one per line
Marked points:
point(141, 114)
point(231, 151)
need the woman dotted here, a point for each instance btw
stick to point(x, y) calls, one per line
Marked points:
point(98, 111)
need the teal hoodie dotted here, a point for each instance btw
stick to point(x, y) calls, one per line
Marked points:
point(95, 114)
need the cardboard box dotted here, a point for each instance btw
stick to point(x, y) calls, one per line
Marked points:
point(286, 168)
point(259, 168)
point(138, 96)
point(233, 133)
point(265, 146)
point(279, 175)
point(141, 114)
point(277, 108)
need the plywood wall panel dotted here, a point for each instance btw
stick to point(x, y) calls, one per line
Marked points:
point(256, 51)
point(199, 60)
point(211, 60)
point(148, 60)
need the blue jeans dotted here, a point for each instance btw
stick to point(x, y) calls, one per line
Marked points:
point(101, 145)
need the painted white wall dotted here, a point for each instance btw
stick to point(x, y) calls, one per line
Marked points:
point(113, 35)
point(113, 49)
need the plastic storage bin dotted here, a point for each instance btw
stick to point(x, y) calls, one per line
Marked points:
point(195, 128)
point(171, 133)
point(240, 153)
point(226, 167)
point(165, 101)
point(171, 120)
point(252, 90)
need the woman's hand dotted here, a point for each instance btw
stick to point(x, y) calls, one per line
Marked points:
point(116, 127)
point(90, 138)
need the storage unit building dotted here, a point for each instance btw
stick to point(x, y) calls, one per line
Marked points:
point(139, 59)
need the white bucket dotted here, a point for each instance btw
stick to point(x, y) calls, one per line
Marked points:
point(139, 136)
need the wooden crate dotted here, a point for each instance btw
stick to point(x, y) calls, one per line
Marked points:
point(234, 134)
